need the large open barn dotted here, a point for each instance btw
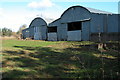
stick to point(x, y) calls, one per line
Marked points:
point(78, 23)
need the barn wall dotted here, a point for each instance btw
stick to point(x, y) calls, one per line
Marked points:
point(41, 26)
point(40, 33)
point(107, 25)
point(52, 36)
point(75, 14)
point(112, 23)
point(44, 32)
point(55, 23)
point(25, 33)
point(85, 31)
point(62, 32)
point(97, 23)
point(74, 35)
point(31, 31)
point(37, 33)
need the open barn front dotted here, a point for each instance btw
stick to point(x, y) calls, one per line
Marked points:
point(52, 33)
point(74, 31)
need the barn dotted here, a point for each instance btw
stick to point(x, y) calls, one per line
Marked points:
point(38, 29)
point(79, 23)
point(25, 33)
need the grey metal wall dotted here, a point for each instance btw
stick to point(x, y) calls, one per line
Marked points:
point(54, 36)
point(92, 24)
point(106, 25)
point(38, 23)
point(85, 36)
point(97, 23)
point(112, 23)
point(73, 15)
point(62, 32)
point(25, 33)
point(31, 32)
point(74, 35)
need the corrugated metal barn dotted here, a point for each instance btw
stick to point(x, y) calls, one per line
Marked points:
point(25, 33)
point(79, 23)
point(38, 29)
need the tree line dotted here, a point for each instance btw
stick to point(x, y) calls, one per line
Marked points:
point(8, 32)
point(5, 32)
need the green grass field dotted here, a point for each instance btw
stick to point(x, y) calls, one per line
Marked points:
point(62, 59)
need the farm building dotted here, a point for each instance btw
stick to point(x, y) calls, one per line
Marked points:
point(79, 23)
point(25, 33)
point(38, 29)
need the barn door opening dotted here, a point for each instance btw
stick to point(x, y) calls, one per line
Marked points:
point(52, 33)
point(74, 31)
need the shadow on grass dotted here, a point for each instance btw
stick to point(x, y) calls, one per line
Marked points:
point(46, 62)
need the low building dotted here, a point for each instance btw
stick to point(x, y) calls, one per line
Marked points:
point(25, 33)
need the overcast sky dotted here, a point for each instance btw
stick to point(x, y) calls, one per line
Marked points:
point(14, 13)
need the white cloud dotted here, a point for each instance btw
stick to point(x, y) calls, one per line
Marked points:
point(41, 4)
point(13, 20)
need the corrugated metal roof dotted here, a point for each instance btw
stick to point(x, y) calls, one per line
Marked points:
point(98, 11)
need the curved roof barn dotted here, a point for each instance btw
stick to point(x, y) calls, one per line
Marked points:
point(37, 22)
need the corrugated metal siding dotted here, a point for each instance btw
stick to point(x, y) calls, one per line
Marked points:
point(75, 14)
point(98, 11)
point(52, 36)
point(112, 23)
point(25, 33)
point(86, 30)
point(44, 32)
point(62, 35)
point(74, 35)
point(97, 23)
point(31, 32)
point(38, 29)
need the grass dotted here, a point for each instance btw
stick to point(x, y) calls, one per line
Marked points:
point(62, 59)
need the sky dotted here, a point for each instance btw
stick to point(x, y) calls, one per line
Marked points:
point(15, 13)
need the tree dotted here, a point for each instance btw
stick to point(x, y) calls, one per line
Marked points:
point(6, 32)
point(21, 28)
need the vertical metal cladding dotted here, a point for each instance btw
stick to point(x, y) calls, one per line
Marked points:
point(77, 23)
point(25, 33)
point(76, 16)
point(38, 29)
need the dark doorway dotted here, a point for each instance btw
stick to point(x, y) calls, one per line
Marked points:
point(74, 26)
point(52, 29)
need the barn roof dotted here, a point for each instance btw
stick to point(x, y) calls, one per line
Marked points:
point(25, 29)
point(36, 19)
point(97, 11)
